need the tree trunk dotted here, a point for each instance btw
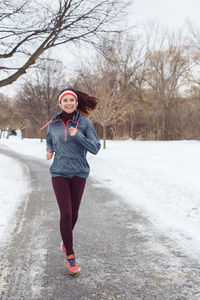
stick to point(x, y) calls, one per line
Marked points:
point(158, 130)
point(41, 137)
point(113, 131)
point(163, 126)
point(131, 124)
point(104, 136)
point(7, 136)
point(22, 133)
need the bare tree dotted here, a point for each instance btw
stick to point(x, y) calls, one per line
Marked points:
point(190, 113)
point(166, 72)
point(4, 114)
point(128, 56)
point(100, 80)
point(8, 116)
point(28, 28)
point(36, 102)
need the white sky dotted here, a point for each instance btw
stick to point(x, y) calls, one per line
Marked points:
point(172, 13)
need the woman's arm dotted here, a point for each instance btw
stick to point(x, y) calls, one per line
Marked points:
point(90, 140)
point(49, 145)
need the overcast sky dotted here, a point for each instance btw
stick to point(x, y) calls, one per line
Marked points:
point(171, 13)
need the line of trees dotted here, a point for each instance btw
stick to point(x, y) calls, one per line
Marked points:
point(149, 89)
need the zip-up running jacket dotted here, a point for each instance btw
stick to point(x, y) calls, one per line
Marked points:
point(70, 151)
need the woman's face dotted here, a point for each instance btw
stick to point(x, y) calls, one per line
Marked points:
point(68, 104)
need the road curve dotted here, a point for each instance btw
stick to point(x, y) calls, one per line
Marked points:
point(122, 256)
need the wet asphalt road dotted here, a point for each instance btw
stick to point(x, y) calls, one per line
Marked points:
point(121, 254)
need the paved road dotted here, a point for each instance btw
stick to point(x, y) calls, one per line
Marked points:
point(122, 256)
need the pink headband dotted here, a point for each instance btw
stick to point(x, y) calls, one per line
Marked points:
point(67, 92)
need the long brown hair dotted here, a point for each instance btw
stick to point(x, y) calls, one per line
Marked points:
point(86, 103)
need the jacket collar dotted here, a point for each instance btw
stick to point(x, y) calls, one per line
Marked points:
point(57, 118)
point(75, 116)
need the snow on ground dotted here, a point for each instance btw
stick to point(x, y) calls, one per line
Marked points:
point(13, 188)
point(160, 179)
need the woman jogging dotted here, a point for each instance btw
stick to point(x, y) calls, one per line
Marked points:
point(70, 135)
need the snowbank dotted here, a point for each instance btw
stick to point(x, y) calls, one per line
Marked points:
point(13, 189)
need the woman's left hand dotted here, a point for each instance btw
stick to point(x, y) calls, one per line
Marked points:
point(73, 131)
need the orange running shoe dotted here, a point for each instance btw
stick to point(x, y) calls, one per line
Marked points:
point(72, 264)
point(62, 246)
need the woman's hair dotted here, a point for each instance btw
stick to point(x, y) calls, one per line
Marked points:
point(86, 103)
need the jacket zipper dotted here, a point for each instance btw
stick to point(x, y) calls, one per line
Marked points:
point(66, 127)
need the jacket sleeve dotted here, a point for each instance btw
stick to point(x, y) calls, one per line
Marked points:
point(49, 144)
point(90, 140)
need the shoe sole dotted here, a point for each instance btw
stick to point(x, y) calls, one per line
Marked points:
point(74, 273)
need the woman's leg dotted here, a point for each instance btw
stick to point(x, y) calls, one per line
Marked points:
point(77, 185)
point(61, 186)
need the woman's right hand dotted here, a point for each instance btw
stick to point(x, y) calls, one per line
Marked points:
point(49, 154)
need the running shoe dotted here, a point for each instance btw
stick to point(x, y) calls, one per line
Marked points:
point(72, 264)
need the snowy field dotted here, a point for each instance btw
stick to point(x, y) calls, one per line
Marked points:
point(159, 179)
point(13, 189)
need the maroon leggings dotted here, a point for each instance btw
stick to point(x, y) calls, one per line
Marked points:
point(68, 193)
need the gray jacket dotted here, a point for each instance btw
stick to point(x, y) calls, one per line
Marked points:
point(70, 151)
